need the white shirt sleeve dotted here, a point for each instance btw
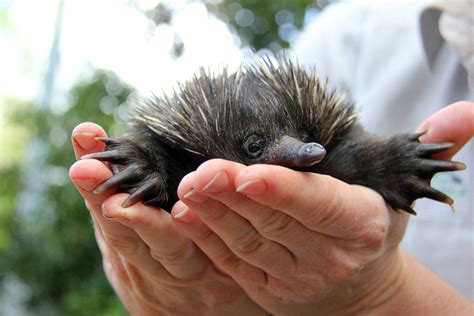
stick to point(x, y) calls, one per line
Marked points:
point(331, 43)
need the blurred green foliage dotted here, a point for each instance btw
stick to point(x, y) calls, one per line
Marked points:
point(47, 247)
point(264, 24)
point(46, 237)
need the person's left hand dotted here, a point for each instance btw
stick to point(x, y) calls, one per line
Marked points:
point(152, 266)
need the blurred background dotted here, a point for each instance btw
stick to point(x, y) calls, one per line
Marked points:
point(64, 62)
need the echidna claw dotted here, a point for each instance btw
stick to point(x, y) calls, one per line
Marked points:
point(115, 168)
point(431, 193)
point(416, 136)
point(453, 208)
point(429, 149)
point(124, 176)
point(160, 200)
point(107, 141)
point(149, 187)
point(110, 155)
point(430, 167)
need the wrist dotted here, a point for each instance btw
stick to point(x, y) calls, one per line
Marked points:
point(409, 288)
point(377, 285)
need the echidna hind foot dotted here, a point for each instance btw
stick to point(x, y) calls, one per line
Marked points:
point(408, 171)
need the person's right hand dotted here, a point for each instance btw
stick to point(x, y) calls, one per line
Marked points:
point(309, 244)
point(152, 266)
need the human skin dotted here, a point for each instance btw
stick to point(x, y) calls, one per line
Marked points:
point(152, 266)
point(297, 243)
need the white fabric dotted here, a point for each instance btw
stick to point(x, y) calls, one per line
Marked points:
point(457, 27)
point(391, 58)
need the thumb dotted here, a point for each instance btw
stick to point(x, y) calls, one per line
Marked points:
point(454, 123)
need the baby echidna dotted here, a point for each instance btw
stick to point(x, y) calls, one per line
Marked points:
point(271, 114)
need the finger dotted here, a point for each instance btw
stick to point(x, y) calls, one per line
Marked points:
point(83, 139)
point(117, 272)
point(166, 243)
point(111, 262)
point(271, 223)
point(454, 123)
point(215, 248)
point(86, 174)
point(131, 248)
point(247, 227)
point(113, 265)
point(319, 202)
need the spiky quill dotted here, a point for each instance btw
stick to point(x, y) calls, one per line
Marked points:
point(265, 113)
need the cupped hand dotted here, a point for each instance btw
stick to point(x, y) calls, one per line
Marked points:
point(296, 242)
point(153, 267)
point(303, 243)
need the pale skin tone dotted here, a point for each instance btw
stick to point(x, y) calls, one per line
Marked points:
point(152, 266)
point(244, 237)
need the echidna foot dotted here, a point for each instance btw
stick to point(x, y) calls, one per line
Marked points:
point(130, 174)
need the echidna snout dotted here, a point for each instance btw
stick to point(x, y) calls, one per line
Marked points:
point(291, 152)
point(310, 154)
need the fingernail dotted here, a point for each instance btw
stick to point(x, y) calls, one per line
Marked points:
point(253, 187)
point(183, 215)
point(85, 184)
point(85, 140)
point(218, 183)
point(195, 197)
point(117, 213)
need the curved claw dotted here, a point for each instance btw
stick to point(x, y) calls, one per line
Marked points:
point(115, 169)
point(416, 136)
point(110, 155)
point(158, 201)
point(149, 187)
point(107, 141)
point(434, 166)
point(407, 208)
point(428, 149)
point(431, 193)
point(114, 181)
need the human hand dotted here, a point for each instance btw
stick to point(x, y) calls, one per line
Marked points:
point(296, 242)
point(302, 243)
point(454, 123)
point(151, 265)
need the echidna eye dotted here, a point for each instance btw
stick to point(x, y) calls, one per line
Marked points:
point(253, 146)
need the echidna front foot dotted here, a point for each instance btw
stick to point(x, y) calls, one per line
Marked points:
point(133, 172)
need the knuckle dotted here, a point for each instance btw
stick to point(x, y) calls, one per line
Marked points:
point(228, 260)
point(345, 271)
point(277, 225)
point(283, 201)
point(167, 257)
point(342, 267)
point(213, 214)
point(125, 245)
point(204, 234)
point(373, 236)
point(248, 243)
point(327, 211)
